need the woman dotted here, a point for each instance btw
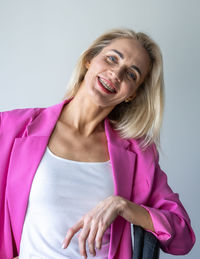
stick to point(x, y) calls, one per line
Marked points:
point(83, 170)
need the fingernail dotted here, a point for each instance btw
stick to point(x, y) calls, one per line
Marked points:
point(63, 245)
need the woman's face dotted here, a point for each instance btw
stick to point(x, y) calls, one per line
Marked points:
point(116, 72)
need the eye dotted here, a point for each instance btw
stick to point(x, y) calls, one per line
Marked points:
point(131, 75)
point(111, 59)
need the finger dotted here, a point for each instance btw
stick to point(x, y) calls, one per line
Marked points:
point(91, 238)
point(99, 235)
point(82, 241)
point(70, 233)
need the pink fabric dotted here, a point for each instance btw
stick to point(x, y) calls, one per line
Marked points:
point(24, 135)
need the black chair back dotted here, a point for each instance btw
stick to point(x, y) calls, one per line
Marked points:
point(145, 244)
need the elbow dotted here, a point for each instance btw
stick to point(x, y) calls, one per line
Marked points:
point(180, 246)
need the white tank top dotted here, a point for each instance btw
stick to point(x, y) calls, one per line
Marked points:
point(62, 192)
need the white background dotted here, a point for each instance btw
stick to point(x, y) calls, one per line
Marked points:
point(40, 41)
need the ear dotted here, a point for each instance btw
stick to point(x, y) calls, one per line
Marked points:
point(132, 96)
point(87, 64)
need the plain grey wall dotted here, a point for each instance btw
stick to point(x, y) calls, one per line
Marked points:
point(40, 41)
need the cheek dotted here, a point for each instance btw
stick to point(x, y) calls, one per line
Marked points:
point(130, 88)
point(98, 65)
point(94, 69)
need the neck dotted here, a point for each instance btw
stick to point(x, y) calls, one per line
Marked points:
point(84, 116)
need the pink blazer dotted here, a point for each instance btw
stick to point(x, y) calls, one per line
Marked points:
point(24, 134)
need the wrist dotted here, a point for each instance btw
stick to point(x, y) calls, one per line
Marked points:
point(121, 205)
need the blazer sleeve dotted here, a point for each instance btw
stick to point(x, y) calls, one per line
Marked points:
point(171, 222)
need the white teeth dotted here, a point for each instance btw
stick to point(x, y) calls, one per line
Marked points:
point(106, 85)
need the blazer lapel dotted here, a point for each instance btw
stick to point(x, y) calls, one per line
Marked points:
point(25, 158)
point(123, 165)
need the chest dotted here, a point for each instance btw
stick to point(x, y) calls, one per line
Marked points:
point(66, 143)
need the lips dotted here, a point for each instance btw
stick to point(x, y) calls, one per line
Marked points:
point(107, 85)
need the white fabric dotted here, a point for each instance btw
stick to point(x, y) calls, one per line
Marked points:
point(62, 192)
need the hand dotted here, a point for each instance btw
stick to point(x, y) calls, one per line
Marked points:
point(94, 224)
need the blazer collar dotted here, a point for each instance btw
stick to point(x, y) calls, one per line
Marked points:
point(44, 123)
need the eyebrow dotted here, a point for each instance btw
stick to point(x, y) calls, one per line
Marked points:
point(122, 57)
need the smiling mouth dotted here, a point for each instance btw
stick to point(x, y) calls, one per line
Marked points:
point(106, 85)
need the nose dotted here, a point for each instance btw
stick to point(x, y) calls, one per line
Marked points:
point(116, 74)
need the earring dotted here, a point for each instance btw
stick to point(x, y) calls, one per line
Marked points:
point(128, 100)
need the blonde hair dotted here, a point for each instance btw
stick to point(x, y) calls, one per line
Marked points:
point(142, 117)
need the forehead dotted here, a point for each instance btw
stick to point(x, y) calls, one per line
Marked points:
point(129, 46)
point(133, 52)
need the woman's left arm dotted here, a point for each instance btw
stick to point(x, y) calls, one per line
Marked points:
point(135, 214)
point(171, 223)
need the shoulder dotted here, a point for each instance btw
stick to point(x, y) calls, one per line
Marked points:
point(148, 154)
point(14, 120)
point(20, 113)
